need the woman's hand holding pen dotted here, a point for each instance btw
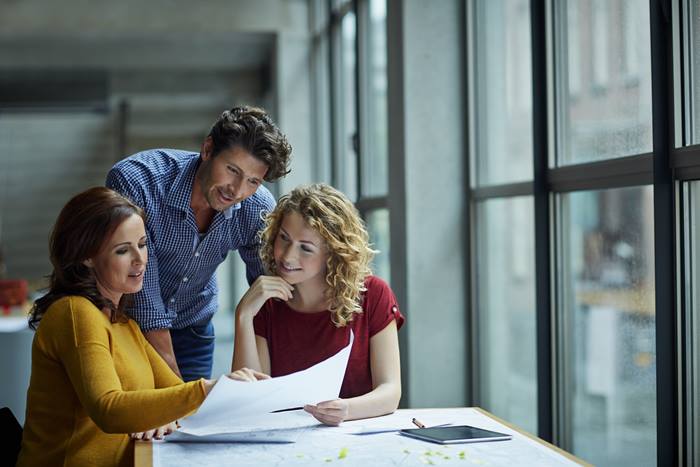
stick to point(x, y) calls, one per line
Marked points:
point(264, 288)
point(330, 412)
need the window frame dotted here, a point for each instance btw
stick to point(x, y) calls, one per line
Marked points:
point(664, 168)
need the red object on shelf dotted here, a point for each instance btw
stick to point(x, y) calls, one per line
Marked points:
point(13, 292)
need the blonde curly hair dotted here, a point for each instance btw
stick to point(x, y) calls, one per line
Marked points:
point(331, 214)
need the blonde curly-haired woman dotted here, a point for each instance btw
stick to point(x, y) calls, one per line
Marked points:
point(319, 287)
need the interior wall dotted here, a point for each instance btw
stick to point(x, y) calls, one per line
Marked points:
point(176, 17)
point(172, 67)
point(45, 156)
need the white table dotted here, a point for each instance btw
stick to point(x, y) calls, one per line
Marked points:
point(15, 363)
point(330, 446)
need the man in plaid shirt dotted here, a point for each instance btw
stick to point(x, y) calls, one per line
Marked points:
point(200, 206)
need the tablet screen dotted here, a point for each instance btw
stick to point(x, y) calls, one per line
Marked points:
point(455, 434)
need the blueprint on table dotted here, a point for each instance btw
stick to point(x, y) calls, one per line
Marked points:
point(324, 446)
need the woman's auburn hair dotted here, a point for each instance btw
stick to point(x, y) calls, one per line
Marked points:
point(83, 226)
point(331, 214)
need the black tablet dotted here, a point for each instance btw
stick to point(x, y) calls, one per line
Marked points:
point(455, 434)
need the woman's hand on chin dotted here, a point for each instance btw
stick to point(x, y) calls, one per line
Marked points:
point(264, 288)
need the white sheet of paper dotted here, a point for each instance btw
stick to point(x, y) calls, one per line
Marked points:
point(288, 426)
point(236, 406)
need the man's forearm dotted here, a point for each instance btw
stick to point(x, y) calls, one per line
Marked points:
point(161, 341)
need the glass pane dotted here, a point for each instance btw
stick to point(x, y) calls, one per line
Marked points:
point(503, 91)
point(694, 20)
point(507, 334)
point(378, 227)
point(692, 324)
point(605, 79)
point(608, 325)
point(375, 178)
point(349, 90)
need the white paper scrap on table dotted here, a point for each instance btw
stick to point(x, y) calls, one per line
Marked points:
point(237, 406)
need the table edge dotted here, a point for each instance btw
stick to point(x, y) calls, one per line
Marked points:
point(143, 453)
point(559, 450)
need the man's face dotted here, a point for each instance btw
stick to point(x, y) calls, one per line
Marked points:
point(230, 177)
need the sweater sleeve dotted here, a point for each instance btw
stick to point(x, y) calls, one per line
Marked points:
point(85, 353)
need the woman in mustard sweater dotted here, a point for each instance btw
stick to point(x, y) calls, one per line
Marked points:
point(95, 379)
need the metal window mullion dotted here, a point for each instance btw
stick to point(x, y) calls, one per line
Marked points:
point(687, 156)
point(373, 203)
point(557, 24)
point(668, 439)
point(336, 104)
point(542, 218)
point(609, 173)
point(321, 96)
point(397, 175)
point(562, 327)
point(362, 70)
point(687, 273)
point(508, 190)
point(473, 368)
point(680, 57)
point(688, 108)
point(560, 418)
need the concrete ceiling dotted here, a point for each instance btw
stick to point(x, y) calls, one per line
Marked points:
point(231, 51)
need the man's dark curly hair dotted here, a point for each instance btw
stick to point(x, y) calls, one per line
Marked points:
point(251, 129)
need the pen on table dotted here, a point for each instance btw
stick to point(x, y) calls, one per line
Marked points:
point(287, 410)
point(390, 430)
point(417, 423)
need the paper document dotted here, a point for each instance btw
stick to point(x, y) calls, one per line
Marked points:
point(236, 406)
point(288, 427)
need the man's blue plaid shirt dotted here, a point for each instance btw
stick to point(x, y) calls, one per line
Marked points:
point(179, 287)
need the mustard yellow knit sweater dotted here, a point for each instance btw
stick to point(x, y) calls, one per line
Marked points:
point(93, 382)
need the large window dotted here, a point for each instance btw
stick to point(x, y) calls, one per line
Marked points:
point(375, 153)
point(506, 335)
point(374, 144)
point(608, 325)
point(605, 79)
point(355, 34)
point(566, 99)
point(583, 166)
point(501, 93)
point(686, 161)
point(343, 80)
point(378, 227)
point(503, 97)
